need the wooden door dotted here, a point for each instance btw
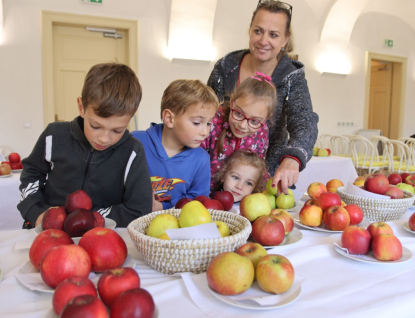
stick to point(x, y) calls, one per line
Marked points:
point(380, 97)
point(75, 50)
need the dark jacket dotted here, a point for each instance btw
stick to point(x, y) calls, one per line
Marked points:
point(62, 161)
point(293, 128)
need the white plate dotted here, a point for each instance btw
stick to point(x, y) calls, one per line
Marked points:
point(406, 227)
point(369, 258)
point(365, 223)
point(6, 175)
point(17, 170)
point(297, 206)
point(250, 304)
point(30, 277)
point(293, 237)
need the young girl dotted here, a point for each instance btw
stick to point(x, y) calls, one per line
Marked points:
point(242, 124)
point(242, 173)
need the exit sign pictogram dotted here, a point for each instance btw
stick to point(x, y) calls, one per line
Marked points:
point(388, 42)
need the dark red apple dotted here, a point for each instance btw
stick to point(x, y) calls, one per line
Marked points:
point(404, 175)
point(54, 218)
point(78, 222)
point(15, 165)
point(85, 306)
point(14, 157)
point(133, 303)
point(70, 288)
point(225, 197)
point(394, 178)
point(212, 204)
point(113, 282)
point(376, 183)
point(99, 219)
point(181, 202)
point(201, 198)
point(78, 200)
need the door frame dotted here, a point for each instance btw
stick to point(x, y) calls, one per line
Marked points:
point(49, 19)
point(398, 88)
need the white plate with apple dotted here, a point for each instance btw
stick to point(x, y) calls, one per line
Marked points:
point(370, 258)
point(365, 223)
point(406, 227)
point(30, 277)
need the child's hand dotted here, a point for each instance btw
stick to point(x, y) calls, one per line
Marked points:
point(157, 206)
point(39, 219)
point(286, 175)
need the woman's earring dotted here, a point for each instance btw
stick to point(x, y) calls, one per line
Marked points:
point(282, 49)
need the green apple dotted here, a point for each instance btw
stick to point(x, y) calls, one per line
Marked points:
point(254, 205)
point(272, 200)
point(406, 187)
point(285, 201)
point(270, 189)
point(322, 152)
point(161, 223)
point(315, 151)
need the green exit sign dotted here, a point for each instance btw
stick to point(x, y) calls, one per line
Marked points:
point(92, 1)
point(388, 43)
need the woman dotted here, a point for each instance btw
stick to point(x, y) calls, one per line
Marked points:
point(293, 127)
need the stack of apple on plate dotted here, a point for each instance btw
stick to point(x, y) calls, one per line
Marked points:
point(282, 200)
point(321, 152)
point(65, 267)
point(14, 161)
point(326, 208)
point(378, 238)
point(232, 273)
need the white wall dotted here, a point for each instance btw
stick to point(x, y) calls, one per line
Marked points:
point(335, 98)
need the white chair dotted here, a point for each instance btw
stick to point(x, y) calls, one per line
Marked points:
point(364, 155)
point(401, 157)
point(340, 146)
point(323, 141)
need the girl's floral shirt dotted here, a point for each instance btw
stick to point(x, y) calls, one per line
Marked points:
point(257, 142)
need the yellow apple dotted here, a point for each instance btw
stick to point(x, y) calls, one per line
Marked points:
point(359, 181)
point(333, 184)
point(285, 201)
point(275, 274)
point(194, 213)
point(164, 237)
point(254, 251)
point(161, 223)
point(406, 187)
point(311, 215)
point(315, 150)
point(254, 205)
point(223, 228)
point(270, 189)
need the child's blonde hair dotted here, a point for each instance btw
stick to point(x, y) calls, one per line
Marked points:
point(245, 157)
point(260, 87)
point(182, 94)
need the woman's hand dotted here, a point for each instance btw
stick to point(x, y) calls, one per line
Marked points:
point(286, 175)
point(39, 219)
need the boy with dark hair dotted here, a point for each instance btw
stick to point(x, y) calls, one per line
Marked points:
point(95, 153)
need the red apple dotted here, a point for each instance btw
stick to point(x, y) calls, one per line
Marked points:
point(133, 303)
point(386, 247)
point(336, 218)
point(201, 198)
point(404, 175)
point(79, 222)
point(85, 306)
point(410, 180)
point(377, 228)
point(315, 189)
point(114, 281)
point(78, 200)
point(5, 163)
point(254, 251)
point(311, 215)
point(181, 202)
point(394, 192)
point(411, 222)
point(212, 204)
point(268, 231)
point(70, 288)
point(99, 219)
point(225, 197)
point(5, 169)
point(15, 165)
point(356, 239)
point(64, 261)
point(54, 218)
point(394, 178)
point(44, 242)
point(105, 247)
point(285, 217)
point(14, 157)
point(376, 183)
point(355, 213)
point(275, 274)
point(328, 199)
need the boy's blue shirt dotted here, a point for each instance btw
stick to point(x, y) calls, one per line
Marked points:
point(186, 174)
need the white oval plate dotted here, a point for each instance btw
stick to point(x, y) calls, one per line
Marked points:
point(365, 223)
point(369, 258)
point(17, 170)
point(406, 227)
point(6, 175)
point(30, 277)
point(293, 237)
point(250, 304)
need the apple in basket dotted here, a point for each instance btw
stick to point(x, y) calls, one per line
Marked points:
point(406, 187)
point(194, 213)
point(377, 228)
point(223, 228)
point(224, 197)
point(275, 274)
point(411, 222)
point(78, 200)
point(356, 239)
point(355, 213)
point(84, 306)
point(394, 178)
point(54, 218)
point(333, 184)
point(328, 199)
point(376, 183)
point(268, 231)
point(64, 261)
point(315, 189)
point(386, 247)
point(213, 204)
point(181, 202)
point(359, 181)
point(394, 192)
point(285, 217)
point(113, 282)
point(311, 215)
point(161, 223)
point(336, 218)
point(229, 273)
point(404, 175)
point(136, 302)
point(70, 288)
point(44, 242)
point(254, 251)
point(254, 205)
point(410, 180)
point(105, 247)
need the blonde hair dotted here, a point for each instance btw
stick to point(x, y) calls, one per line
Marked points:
point(245, 157)
point(182, 94)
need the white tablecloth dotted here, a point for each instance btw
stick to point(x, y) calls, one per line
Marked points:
point(333, 286)
point(323, 169)
point(10, 217)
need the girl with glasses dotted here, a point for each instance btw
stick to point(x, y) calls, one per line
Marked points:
point(293, 126)
point(241, 123)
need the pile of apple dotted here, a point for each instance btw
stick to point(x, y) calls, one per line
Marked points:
point(326, 207)
point(378, 237)
point(192, 213)
point(232, 273)
point(321, 152)
point(220, 200)
point(76, 217)
point(14, 161)
point(282, 200)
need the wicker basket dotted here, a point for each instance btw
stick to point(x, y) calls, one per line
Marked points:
point(176, 256)
point(377, 210)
